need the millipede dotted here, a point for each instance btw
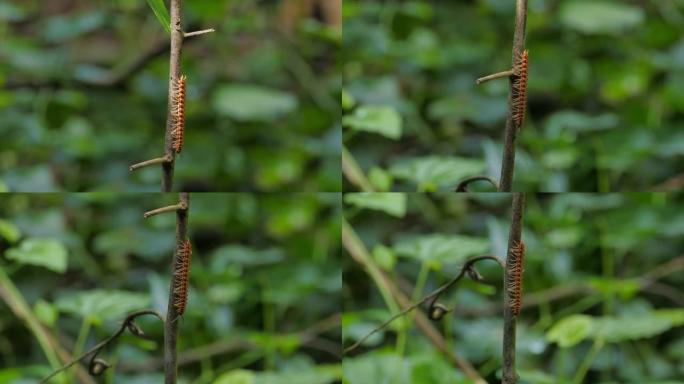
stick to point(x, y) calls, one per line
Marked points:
point(519, 101)
point(516, 260)
point(181, 275)
point(178, 113)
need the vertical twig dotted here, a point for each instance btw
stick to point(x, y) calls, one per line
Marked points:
point(508, 160)
point(174, 73)
point(170, 324)
point(509, 375)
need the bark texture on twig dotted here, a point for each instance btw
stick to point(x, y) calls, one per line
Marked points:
point(509, 376)
point(508, 159)
point(174, 74)
point(170, 325)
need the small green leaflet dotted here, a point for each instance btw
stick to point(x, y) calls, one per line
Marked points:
point(159, 9)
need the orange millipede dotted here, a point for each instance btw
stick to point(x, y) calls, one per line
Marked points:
point(178, 113)
point(515, 260)
point(181, 275)
point(519, 101)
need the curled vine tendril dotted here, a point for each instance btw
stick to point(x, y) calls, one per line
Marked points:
point(97, 366)
point(436, 311)
point(463, 184)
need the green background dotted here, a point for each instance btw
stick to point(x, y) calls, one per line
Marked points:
point(605, 97)
point(602, 271)
point(264, 301)
point(262, 109)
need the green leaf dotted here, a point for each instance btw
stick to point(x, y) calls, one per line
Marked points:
point(159, 9)
point(384, 257)
point(100, 305)
point(570, 330)
point(348, 101)
point(433, 172)
point(48, 253)
point(617, 329)
point(380, 179)
point(9, 231)
point(45, 312)
point(441, 249)
point(595, 17)
point(382, 120)
point(240, 376)
point(247, 102)
point(389, 202)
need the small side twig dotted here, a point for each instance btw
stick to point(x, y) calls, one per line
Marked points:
point(197, 33)
point(495, 76)
point(468, 266)
point(463, 184)
point(147, 163)
point(181, 206)
point(97, 366)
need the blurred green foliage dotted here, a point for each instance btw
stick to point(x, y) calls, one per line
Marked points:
point(605, 92)
point(264, 285)
point(262, 108)
point(603, 284)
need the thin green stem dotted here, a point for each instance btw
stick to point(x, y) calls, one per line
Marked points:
point(81, 340)
point(586, 363)
point(15, 300)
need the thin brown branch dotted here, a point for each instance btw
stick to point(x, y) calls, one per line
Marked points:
point(509, 376)
point(508, 159)
point(112, 78)
point(197, 33)
point(494, 76)
point(357, 250)
point(97, 366)
point(147, 163)
point(174, 75)
point(170, 325)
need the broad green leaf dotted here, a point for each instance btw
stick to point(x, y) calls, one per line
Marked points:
point(100, 305)
point(45, 312)
point(389, 202)
point(384, 257)
point(380, 179)
point(239, 376)
point(617, 329)
point(376, 367)
point(382, 120)
point(159, 9)
point(235, 254)
point(594, 17)
point(9, 231)
point(48, 253)
point(248, 102)
point(570, 330)
point(573, 329)
point(434, 172)
point(439, 249)
point(309, 375)
point(625, 288)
